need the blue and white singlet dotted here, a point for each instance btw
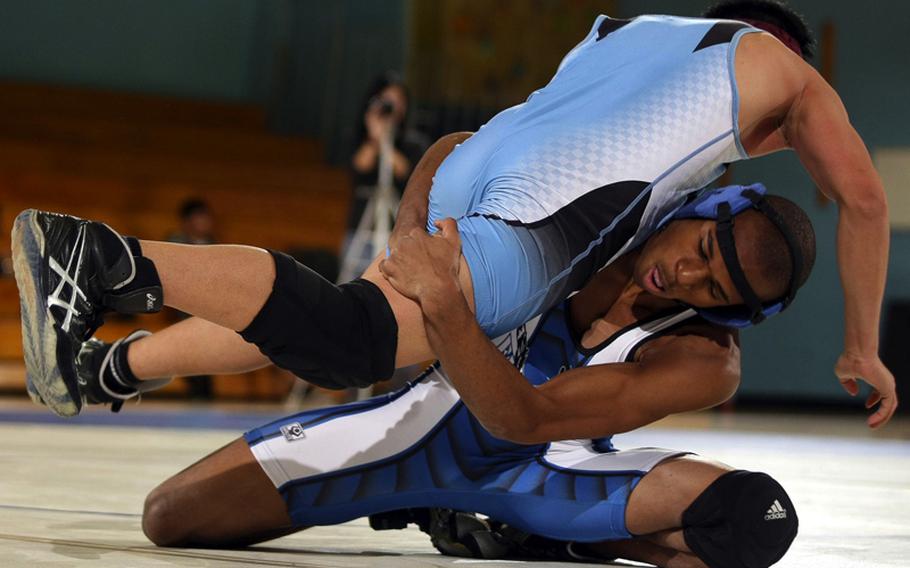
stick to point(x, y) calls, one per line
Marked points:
point(421, 447)
point(639, 115)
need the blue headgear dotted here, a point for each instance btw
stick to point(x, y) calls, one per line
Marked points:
point(723, 204)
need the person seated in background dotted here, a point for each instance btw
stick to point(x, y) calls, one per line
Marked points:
point(197, 224)
point(520, 428)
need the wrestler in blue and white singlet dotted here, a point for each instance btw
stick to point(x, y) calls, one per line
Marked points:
point(421, 447)
point(639, 115)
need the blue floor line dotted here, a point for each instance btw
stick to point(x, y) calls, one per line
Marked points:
point(190, 419)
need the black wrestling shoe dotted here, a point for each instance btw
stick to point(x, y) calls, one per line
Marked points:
point(453, 533)
point(456, 533)
point(69, 272)
point(101, 376)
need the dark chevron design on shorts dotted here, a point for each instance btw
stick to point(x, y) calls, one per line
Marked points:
point(456, 464)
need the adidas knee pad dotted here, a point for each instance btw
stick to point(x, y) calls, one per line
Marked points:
point(742, 520)
point(334, 336)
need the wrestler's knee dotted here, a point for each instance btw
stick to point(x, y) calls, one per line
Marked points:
point(172, 517)
point(334, 336)
point(743, 519)
point(164, 521)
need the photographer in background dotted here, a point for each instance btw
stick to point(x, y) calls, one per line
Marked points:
point(384, 118)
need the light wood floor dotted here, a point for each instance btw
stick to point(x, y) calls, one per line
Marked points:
point(70, 495)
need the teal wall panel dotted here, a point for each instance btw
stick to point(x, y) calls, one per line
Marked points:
point(309, 62)
point(194, 48)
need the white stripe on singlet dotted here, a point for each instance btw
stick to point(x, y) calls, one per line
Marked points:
point(580, 454)
point(359, 438)
point(621, 348)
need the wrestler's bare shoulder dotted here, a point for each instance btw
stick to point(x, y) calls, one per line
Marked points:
point(769, 78)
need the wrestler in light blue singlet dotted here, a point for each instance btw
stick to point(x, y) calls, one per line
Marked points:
point(639, 115)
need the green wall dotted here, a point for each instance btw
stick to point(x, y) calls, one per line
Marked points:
point(194, 48)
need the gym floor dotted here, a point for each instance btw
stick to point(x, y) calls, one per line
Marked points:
point(71, 492)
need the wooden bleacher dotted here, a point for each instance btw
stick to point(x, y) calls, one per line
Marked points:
point(130, 160)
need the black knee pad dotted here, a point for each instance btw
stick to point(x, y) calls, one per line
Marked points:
point(742, 520)
point(334, 336)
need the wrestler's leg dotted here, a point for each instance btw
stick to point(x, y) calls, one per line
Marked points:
point(693, 498)
point(336, 336)
point(111, 373)
point(229, 284)
point(190, 347)
point(231, 497)
point(661, 497)
point(224, 284)
point(224, 500)
point(413, 345)
point(655, 511)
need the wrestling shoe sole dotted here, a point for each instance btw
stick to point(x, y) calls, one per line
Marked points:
point(51, 378)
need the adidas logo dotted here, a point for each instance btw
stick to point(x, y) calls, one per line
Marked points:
point(776, 512)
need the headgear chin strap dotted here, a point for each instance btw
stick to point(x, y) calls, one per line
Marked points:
point(723, 205)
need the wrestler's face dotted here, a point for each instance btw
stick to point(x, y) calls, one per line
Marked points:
point(683, 262)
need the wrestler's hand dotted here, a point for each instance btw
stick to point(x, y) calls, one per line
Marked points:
point(425, 267)
point(851, 368)
point(403, 229)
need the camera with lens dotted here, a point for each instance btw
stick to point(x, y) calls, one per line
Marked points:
point(384, 106)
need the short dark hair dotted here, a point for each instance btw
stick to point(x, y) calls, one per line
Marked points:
point(773, 252)
point(191, 207)
point(771, 11)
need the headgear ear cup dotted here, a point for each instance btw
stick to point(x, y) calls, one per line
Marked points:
point(732, 200)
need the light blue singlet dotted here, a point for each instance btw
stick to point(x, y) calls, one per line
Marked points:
point(639, 115)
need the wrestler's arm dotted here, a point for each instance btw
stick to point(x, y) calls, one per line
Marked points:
point(685, 373)
point(412, 211)
point(680, 374)
point(818, 129)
